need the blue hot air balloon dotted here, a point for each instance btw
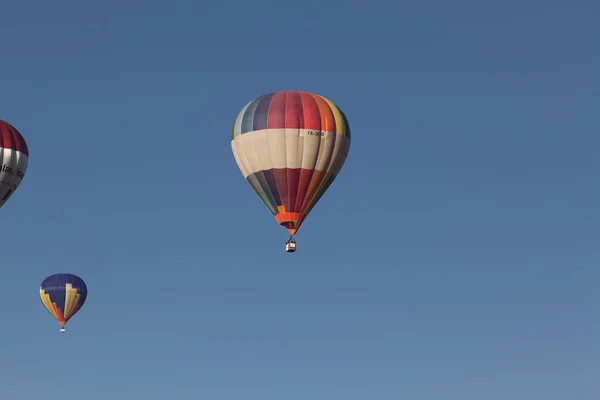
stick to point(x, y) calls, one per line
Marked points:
point(63, 295)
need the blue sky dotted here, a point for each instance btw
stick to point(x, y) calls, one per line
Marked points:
point(455, 257)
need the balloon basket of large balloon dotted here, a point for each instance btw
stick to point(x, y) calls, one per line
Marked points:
point(62, 329)
point(290, 245)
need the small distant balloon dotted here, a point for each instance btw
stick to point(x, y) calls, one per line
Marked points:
point(14, 158)
point(63, 295)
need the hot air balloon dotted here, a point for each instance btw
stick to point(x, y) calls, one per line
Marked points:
point(14, 157)
point(63, 295)
point(290, 146)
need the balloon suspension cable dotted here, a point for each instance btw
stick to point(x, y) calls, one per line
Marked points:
point(290, 240)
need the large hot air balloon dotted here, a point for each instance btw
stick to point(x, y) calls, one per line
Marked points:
point(14, 157)
point(290, 146)
point(63, 295)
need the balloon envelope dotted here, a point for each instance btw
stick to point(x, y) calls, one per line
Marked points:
point(14, 158)
point(290, 146)
point(63, 295)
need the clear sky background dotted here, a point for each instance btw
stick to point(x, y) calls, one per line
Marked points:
point(454, 258)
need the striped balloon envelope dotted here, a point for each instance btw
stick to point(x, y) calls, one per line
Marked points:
point(290, 146)
point(14, 158)
point(63, 295)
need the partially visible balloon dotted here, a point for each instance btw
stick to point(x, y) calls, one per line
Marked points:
point(290, 146)
point(63, 295)
point(14, 158)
